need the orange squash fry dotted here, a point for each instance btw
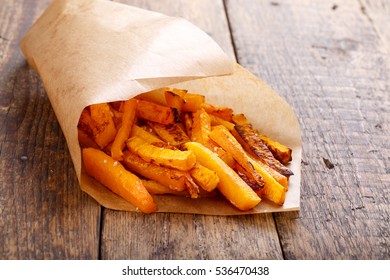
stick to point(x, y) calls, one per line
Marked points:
point(129, 110)
point(283, 180)
point(154, 188)
point(181, 160)
point(172, 178)
point(192, 188)
point(226, 140)
point(204, 177)
point(85, 122)
point(187, 119)
point(117, 105)
point(145, 135)
point(174, 100)
point(114, 176)
point(247, 178)
point(230, 185)
point(219, 121)
point(173, 134)
point(117, 116)
point(201, 127)
point(85, 140)
point(239, 119)
point(252, 143)
point(272, 189)
point(224, 113)
point(154, 96)
point(155, 113)
point(103, 127)
point(192, 102)
point(279, 151)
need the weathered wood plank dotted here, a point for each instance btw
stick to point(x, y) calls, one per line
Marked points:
point(179, 236)
point(328, 61)
point(377, 13)
point(43, 213)
point(184, 236)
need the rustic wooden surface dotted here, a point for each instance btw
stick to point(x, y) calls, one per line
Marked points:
point(329, 59)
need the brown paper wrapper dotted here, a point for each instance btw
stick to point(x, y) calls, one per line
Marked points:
point(89, 52)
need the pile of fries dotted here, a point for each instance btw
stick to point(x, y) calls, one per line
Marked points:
point(170, 141)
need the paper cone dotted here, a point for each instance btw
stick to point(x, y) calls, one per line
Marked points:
point(89, 52)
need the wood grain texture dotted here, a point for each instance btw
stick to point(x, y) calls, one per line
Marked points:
point(43, 213)
point(183, 236)
point(180, 236)
point(329, 59)
point(331, 62)
point(377, 14)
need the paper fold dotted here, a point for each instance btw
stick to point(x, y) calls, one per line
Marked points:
point(89, 52)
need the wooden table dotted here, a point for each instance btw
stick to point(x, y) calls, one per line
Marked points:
point(329, 59)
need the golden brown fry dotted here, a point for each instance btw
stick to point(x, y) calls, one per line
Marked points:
point(174, 100)
point(283, 180)
point(230, 185)
point(272, 189)
point(155, 113)
point(219, 121)
point(103, 127)
point(187, 119)
point(155, 187)
point(247, 178)
point(117, 106)
point(280, 152)
point(172, 178)
point(192, 188)
point(148, 137)
point(201, 127)
point(239, 119)
point(116, 117)
point(192, 102)
point(129, 110)
point(173, 134)
point(251, 141)
point(204, 177)
point(226, 140)
point(114, 176)
point(182, 160)
point(154, 96)
point(85, 140)
point(224, 113)
point(85, 122)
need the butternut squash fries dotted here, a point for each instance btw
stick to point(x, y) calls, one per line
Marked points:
point(129, 108)
point(171, 142)
point(114, 176)
point(230, 185)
